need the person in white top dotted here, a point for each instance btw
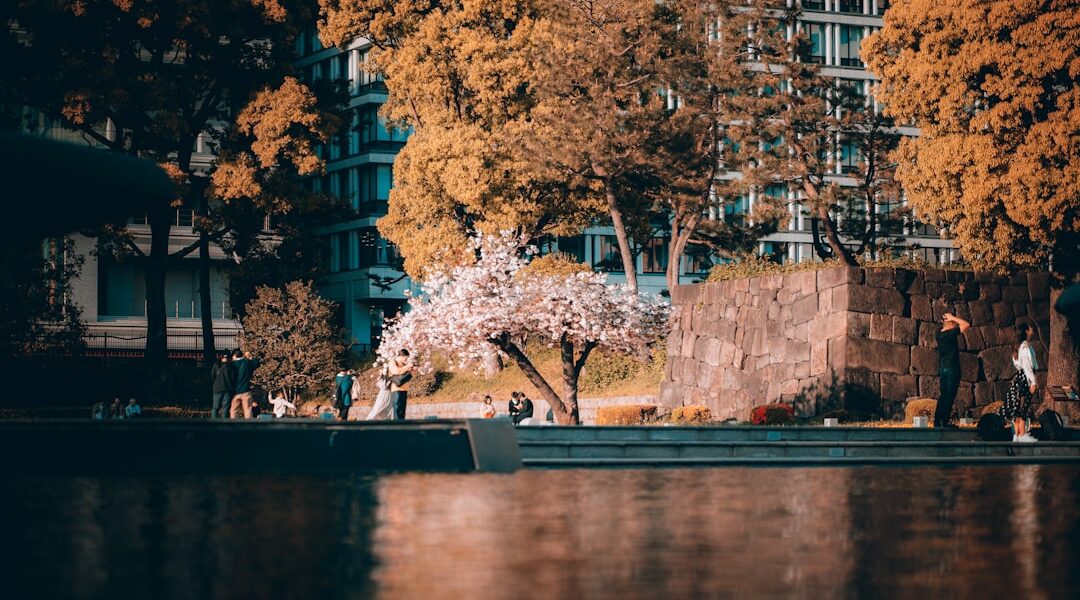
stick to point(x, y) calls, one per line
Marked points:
point(281, 405)
point(1020, 399)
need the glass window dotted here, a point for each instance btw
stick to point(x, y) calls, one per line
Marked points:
point(697, 260)
point(882, 6)
point(849, 157)
point(735, 211)
point(850, 39)
point(573, 246)
point(815, 34)
point(606, 255)
point(850, 6)
point(813, 4)
point(654, 256)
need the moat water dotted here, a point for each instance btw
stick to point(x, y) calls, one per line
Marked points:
point(869, 532)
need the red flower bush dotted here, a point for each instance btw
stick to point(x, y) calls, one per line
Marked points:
point(773, 414)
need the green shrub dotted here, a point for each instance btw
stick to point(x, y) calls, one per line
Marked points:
point(694, 414)
point(634, 414)
point(605, 370)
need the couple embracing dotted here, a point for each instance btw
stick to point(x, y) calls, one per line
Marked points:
point(393, 389)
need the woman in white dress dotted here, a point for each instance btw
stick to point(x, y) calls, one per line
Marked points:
point(383, 409)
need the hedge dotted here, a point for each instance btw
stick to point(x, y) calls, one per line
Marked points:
point(633, 414)
point(694, 414)
point(919, 407)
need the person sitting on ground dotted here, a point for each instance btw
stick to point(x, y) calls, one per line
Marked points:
point(521, 408)
point(489, 408)
point(133, 409)
point(116, 409)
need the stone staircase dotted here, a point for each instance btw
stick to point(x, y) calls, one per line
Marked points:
point(569, 447)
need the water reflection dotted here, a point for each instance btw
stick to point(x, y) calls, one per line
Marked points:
point(754, 533)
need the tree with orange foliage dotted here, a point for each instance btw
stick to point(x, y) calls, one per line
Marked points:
point(993, 88)
point(147, 78)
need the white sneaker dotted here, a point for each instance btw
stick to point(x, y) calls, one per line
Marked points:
point(1027, 438)
point(1014, 437)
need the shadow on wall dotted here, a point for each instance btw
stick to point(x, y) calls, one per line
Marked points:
point(831, 394)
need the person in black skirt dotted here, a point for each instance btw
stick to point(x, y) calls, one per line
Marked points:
point(1020, 399)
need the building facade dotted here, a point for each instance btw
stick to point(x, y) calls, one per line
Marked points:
point(361, 266)
point(111, 292)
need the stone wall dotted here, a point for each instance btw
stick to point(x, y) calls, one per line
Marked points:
point(864, 338)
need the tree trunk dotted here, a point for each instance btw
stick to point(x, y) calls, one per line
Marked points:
point(205, 302)
point(680, 237)
point(627, 253)
point(833, 237)
point(570, 377)
point(1063, 366)
point(562, 414)
point(157, 266)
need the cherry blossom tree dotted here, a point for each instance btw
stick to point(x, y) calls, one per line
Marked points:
point(476, 313)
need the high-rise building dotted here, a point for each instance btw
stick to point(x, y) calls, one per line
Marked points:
point(360, 266)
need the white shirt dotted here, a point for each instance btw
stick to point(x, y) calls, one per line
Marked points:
point(1024, 360)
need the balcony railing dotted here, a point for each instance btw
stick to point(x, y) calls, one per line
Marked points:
point(181, 345)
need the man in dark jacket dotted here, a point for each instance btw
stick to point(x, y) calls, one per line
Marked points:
point(521, 408)
point(241, 401)
point(223, 374)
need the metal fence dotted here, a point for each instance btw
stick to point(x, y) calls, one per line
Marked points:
point(188, 344)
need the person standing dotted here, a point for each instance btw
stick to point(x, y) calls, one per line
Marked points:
point(133, 409)
point(1020, 399)
point(116, 409)
point(489, 408)
point(245, 368)
point(401, 371)
point(948, 366)
point(343, 394)
point(223, 375)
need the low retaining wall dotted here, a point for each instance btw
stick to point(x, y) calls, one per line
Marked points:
point(819, 339)
point(587, 408)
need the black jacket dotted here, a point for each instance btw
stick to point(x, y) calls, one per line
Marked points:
point(224, 377)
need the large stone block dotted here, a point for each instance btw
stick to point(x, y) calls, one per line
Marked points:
point(1003, 314)
point(881, 277)
point(828, 326)
point(690, 371)
point(786, 296)
point(982, 312)
point(877, 356)
point(898, 387)
point(937, 275)
point(857, 324)
point(924, 361)
point(866, 299)
point(837, 355)
point(829, 278)
point(984, 393)
point(727, 353)
point(824, 302)
point(929, 386)
point(990, 292)
point(1015, 294)
point(712, 352)
point(920, 308)
point(1038, 285)
point(969, 367)
point(1039, 310)
point(699, 348)
point(904, 330)
point(928, 335)
point(819, 357)
point(795, 351)
point(688, 343)
point(804, 309)
point(674, 343)
point(881, 327)
point(973, 339)
point(997, 362)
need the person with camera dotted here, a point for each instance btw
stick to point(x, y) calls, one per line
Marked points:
point(401, 371)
